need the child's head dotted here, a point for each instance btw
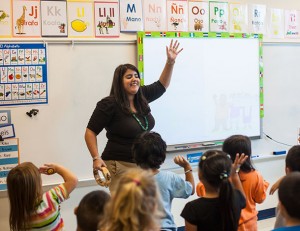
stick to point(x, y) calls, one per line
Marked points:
point(24, 185)
point(90, 210)
point(134, 204)
point(238, 144)
point(214, 168)
point(289, 194)
point(292, 160)
point(149, 150)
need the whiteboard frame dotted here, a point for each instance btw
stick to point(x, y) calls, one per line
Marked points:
point(200, 35)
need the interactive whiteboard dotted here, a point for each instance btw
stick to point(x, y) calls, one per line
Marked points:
point(215, 87)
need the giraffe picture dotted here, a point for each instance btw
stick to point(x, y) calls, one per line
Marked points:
point(21, 21)
point(26, 18)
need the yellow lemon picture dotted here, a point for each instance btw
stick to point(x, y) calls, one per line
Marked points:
point(78, 25)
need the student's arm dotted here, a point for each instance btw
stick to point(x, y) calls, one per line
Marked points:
point(182, 162)
point(172, 52)
point(91, 142)
point(275, 186)
point(189, 226)
point(234, 176)
point(69, 177)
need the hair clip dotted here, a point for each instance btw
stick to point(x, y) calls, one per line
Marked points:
point(228, 156)
point(223, 175)
point(137, 182)
point(203, 158)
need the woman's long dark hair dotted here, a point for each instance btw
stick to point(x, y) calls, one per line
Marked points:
point(215, 168)
point(239, 144)
point(118, 91)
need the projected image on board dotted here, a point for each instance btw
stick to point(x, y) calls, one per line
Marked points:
point(214, 91)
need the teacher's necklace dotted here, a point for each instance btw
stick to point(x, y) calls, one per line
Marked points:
point(146, 122)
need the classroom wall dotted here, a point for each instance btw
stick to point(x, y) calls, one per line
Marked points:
point(100, 58)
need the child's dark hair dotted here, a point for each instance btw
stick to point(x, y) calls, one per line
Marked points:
point(24, 185)
point(90, 210)
point(239, 144)
point(289, 193)
point(215, 168)
point(149, 150)
point(292, 160)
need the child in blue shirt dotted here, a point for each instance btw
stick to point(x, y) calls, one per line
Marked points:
point(149, 151)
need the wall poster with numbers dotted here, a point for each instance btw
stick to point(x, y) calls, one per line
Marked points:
point(23, 74)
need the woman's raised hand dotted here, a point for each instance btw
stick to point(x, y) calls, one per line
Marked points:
point(172, 51)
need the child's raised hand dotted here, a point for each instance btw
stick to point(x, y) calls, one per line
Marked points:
point(275, 186)
point(47, 169)
point(238, 161)
point(181, 161)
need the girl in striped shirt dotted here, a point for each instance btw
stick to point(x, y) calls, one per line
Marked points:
point(30, 208)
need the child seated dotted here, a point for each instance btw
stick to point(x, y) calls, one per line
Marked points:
point(90, 210)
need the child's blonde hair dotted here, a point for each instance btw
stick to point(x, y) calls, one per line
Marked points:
point(134, 204)
point(24, 185)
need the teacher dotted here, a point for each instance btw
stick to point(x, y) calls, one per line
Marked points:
point(124, 114)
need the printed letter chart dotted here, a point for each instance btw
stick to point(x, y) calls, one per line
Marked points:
point(23, 74)
point(9, 158)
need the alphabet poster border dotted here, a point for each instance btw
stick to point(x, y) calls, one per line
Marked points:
point(23, 74)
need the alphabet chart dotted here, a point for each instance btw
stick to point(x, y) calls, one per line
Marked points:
point(23, 74)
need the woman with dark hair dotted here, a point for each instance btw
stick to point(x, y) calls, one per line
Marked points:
point(125, 114)
point(221, 206)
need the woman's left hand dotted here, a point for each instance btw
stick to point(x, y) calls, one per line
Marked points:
point(172, 51)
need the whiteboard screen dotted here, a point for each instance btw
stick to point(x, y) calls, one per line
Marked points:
point(214, 91)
